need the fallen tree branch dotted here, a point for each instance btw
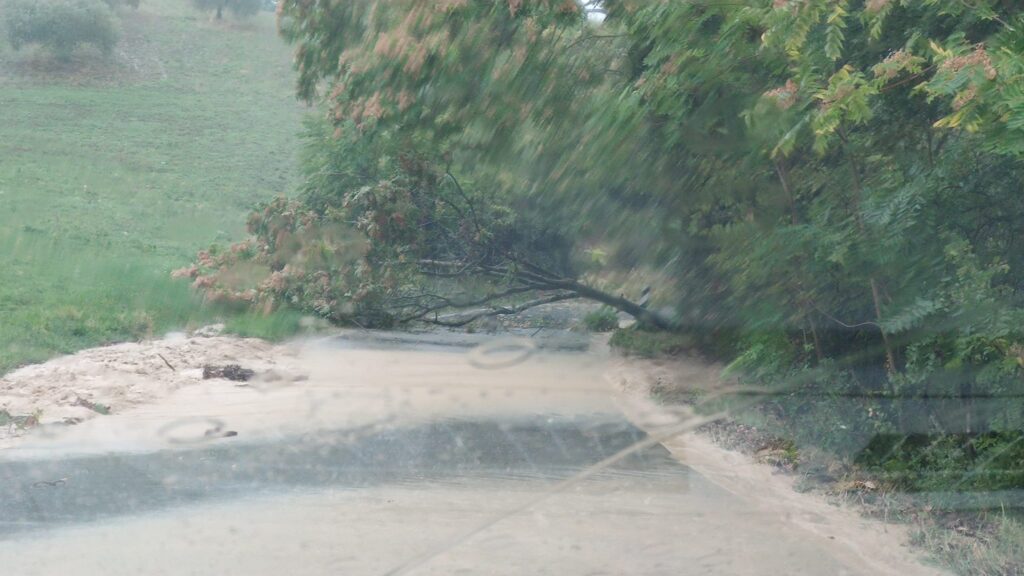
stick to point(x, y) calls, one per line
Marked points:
point(532, 276)
point(166, 362)
point(449, 303)
point(466, 317)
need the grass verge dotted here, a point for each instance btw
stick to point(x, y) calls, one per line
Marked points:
point(115, 171)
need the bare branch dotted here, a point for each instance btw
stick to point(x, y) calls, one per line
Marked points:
point(465, 198)
point(466, 318)
point(533, 276)
point(844, 324)
point(444, 302)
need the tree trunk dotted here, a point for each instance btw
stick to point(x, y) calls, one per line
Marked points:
point(780, 170)
point(220, 11)
point(858, 190)
point(818, 353)
point(642, 314)
point(890, 359)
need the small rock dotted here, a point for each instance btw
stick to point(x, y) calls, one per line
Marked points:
point(229, 372)
point(209, 331)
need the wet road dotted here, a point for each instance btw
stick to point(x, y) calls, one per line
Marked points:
point(46, 494)
point(394, 457)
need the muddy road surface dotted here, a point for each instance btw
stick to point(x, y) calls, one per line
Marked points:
point(434, 454)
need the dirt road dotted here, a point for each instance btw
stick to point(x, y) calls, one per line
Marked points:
point(425, 457)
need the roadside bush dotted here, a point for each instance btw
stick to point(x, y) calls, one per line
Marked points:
point(635, 341)
point(604, 319)
point(61, 25)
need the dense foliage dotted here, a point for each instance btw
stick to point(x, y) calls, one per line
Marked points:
point(826, 191)
point(61, 25)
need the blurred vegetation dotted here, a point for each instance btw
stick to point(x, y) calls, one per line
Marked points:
point(957, 544)
point(603, 319)
point(825, 194)
point(278, 325)
point(61, 25)
point(650, 343)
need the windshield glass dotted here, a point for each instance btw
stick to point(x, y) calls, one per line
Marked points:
point(511, 287)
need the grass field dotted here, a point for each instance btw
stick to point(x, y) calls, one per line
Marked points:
point(114, 171)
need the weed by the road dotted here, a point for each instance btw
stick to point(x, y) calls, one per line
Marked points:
point(988, 546)
point(604, 319)
point(279, 325)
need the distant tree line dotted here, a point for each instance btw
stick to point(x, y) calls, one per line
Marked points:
point(61, 26)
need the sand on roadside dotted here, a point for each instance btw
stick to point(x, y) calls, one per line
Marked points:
point(113, 379)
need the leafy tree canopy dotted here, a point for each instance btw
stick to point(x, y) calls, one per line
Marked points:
point(810, 185)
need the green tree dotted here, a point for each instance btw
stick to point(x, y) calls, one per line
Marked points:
point(852, 167)
point(432, 165)
point(828, 187)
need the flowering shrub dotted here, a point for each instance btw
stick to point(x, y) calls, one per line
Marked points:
point(294, 256)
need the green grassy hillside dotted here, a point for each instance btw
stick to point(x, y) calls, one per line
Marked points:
point(113, 172)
